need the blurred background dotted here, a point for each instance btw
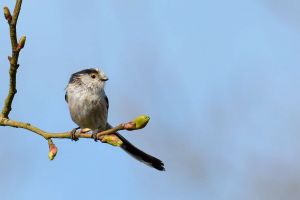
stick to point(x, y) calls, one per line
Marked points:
point(220, 80)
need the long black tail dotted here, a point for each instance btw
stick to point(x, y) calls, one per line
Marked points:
point(140, 155)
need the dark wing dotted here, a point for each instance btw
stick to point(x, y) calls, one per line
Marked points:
point(66, 97)
point(107, 102)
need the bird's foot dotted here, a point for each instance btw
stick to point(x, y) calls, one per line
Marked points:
point(94, 135)
point(73, 134)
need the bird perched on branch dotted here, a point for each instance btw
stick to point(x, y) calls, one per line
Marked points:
point(88, 105)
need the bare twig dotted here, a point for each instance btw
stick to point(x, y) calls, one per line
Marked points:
point(63, 135)
point(13, 59)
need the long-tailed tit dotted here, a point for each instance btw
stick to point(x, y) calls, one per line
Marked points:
point(88, 105)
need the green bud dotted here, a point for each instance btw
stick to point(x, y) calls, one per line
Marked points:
point(21, 43)
point(7, 14)
point(112, 140)
point(139, 122)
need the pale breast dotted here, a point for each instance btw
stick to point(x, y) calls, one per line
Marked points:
point(88, 109)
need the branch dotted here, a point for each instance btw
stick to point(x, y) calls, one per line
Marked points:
point(105, 136)
point(13, 59)
point(67, 135)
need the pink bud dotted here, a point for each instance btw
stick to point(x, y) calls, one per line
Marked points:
point(52, 151)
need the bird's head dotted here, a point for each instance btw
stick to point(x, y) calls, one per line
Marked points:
point(91, 78)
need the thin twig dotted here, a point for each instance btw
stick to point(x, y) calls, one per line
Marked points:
point(13, 59)
point(63, 135)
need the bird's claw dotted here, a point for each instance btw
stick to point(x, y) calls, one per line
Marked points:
point(94, 135)
point(73, 135)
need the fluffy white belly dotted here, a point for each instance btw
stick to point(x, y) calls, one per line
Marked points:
point(87, 110)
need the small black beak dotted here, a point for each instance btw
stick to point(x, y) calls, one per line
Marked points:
point(104, 78)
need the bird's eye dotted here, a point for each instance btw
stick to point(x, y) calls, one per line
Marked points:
point(93, 76)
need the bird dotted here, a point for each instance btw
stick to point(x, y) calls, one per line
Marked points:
point(88, 106)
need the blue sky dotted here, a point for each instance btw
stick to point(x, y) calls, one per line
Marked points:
point(219, 79)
